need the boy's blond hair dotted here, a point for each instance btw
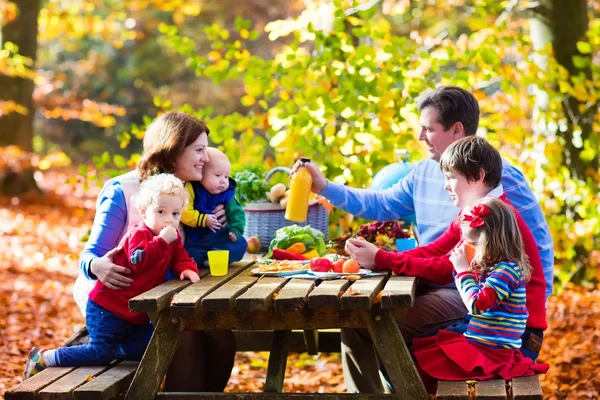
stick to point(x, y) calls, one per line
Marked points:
point(156, 185)
point(499, 237)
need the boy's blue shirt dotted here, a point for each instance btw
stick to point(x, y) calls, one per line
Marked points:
point(422, 193)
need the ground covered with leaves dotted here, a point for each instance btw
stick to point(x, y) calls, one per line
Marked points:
point(41, 236)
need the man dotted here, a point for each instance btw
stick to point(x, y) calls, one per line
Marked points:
point(447, 114)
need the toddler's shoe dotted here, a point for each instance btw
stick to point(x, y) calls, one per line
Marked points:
point(34, 363)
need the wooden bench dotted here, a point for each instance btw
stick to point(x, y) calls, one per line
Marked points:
point(527, 388)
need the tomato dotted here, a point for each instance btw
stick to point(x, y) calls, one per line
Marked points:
point(320, 264)
point(337, 266)
point(351, 267)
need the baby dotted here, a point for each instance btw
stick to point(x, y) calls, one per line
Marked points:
point(202, 229)
point(148, 249)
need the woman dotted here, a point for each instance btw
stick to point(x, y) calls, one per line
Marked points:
point(174, 143)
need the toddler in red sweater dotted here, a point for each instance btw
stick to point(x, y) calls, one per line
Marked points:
point(148, 250)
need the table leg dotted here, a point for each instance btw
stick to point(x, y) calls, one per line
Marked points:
point(157, 357)
point(277, 362)
point(392, 350)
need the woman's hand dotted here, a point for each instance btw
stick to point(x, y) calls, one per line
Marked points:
point(319, 182)
point(111, 275)
point(219, 213)
point(363, 252)
point(189, 274)
point(212, 223)
point(458, 257)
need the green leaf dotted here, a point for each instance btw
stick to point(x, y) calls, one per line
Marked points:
point(584, 47)
point(119, 161)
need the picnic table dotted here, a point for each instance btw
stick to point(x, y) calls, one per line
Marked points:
point(246, 302)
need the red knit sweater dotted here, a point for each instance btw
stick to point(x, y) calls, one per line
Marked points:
point(148, 257)
point(432, 263)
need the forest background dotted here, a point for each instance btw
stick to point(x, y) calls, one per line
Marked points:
point(336, 81)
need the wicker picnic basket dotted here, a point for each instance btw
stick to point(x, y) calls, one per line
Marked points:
point(263, 218)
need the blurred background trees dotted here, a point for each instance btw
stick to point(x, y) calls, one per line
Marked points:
point(333, 80)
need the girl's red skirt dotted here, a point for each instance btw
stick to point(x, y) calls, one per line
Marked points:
point(450, 356)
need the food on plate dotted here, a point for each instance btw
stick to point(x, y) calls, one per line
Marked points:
point(283, 266)
point(351, 267)
point(297, 248)
point(337, 266)
point(311, 254)
point(279, 254)
point(320, 264)
point(310, 238)
point(253, 244)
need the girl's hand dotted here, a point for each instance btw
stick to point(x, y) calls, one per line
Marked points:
point(232, 237)
point(363, 252)
point(111, 275)
point(189, 274)
point(458, 257)
point(212, 223)
point(219, 212)
point(169, 234)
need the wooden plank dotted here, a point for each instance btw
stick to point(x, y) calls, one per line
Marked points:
point(394, 354)
point(272, 396)
point(188, 302)
point(62, 388)
point(157, 298)
point(494, 389)
point(362, 293)
point(223, 299)
point(30, 388)
point(259, 296)
point(329, 341)
point(79, 337)
point(311, 339)
point(109, 384)
point(277, 362)
point(294, 294)
point(157, 358)
point(327, 294)
point(306, 318)
point(452, 390)
point(399, 291)
point(527, 388)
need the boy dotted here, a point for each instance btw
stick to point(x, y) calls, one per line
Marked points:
point(148, 249)
point(202, 229)
point(473, 169)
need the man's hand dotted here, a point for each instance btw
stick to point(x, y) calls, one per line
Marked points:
point(458, 257)
point(219, 212)
point(169, 234)
point(212, 223)
point(111, 275)
point(232, 237)
point(190, 275)
point(319, 182)
point(363, 252)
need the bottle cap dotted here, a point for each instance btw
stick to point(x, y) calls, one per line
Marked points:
point(304, 159)
point(402, 154)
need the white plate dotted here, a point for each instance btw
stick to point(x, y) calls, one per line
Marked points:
point(361, 272)
point(256, 271)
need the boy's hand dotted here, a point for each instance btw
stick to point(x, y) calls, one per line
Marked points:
point(212, 223)
point(363, 252)
point(458, 257)
point(169, 234)
point(232, 237)
point(189, 274)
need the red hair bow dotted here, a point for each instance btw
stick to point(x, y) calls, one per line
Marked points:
point(477, 213)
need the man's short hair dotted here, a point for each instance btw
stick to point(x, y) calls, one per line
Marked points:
point(469, 155)
point(453, 104)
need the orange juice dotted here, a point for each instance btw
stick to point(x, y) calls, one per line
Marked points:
point(297, 205)
point(470, 251)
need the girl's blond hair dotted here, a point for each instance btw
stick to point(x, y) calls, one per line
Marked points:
point(156, 185)
point(164, 141)
point(499, 237)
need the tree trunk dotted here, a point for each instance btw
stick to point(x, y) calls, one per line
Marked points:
point(17, 129)
point(569, 21)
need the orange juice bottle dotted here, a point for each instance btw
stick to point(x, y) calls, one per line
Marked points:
point(297, 205)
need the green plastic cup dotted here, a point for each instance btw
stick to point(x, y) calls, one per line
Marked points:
point(218, 261)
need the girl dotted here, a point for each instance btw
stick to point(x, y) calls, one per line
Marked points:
point(492, 287)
